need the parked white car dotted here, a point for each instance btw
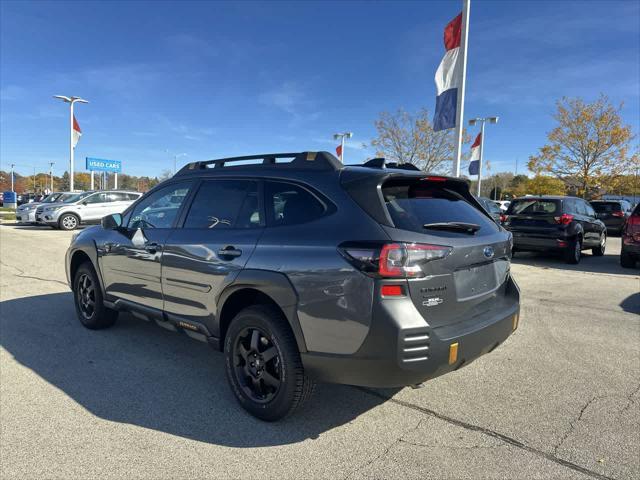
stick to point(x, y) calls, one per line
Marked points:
point(87, 207)
point(26, 213)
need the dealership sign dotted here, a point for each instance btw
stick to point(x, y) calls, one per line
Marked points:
point(102, 165)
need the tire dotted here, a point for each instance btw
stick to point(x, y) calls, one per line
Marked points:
point(68, 221)
point(574, 251)
point(599, 250)
point(263, 364)
point(627, 261)
point(87, 298)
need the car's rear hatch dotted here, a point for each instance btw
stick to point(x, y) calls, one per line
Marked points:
point(609, 212)
point(534, 217)
point(470, 281)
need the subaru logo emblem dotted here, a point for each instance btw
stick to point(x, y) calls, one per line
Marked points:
point(488, 252)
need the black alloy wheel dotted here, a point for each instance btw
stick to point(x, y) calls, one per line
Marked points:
point(257, 365)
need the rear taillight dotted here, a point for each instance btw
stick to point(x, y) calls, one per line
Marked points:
point(393, 260)
point(503, 218)
point(564, 219)
point(618, 214)
point(633, 225)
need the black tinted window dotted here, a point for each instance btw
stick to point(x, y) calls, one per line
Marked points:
point(606, 207)
point(534, 206)
point(96, 198)
point(225, 204)
point(290, 204)
point(159, 209)
point(413, 205)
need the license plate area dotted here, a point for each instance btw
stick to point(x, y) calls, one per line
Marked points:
point(479, 280)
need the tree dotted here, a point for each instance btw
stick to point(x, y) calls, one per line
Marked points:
point(406, 138)
point(589, 142)
point(545, 185)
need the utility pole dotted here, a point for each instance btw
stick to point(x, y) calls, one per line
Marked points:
point(70, 101)
point(12, 167)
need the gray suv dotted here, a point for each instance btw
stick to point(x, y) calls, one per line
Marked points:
point(303, 270)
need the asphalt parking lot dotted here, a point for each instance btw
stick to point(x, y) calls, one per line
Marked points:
point(560, 399)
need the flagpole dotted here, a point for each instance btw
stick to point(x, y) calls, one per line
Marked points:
point(71, 146)
point(466, 7)
point(480, 161)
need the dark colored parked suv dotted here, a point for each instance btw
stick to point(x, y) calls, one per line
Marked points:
point(613, 213)
point(302, 269)
point(630, 252)
point(555, 224)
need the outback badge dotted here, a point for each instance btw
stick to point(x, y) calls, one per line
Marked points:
point(432, 302)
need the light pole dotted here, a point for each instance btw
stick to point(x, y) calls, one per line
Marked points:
point(51, 164)
point(12, 167)
point(70, 101)
point(342, 136)
point(482, 121)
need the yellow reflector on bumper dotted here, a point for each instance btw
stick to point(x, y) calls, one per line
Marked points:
point(453, 353)
point(516, 318)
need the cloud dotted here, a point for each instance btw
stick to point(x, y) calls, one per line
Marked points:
point(288, 97)
point(188, 46)
point(12, 92)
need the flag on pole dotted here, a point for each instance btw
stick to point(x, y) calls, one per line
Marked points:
point(77, 133)
point(339, 151)
point(474, 166)
point(449, 77)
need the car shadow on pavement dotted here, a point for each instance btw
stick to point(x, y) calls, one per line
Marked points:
point(140, 374)
point(631, 304)
point(588, 263)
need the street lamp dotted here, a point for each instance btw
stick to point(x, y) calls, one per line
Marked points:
point(482, 121)
point(342, 136)
point(70, 101)
point(51, 164)
point(12, 167)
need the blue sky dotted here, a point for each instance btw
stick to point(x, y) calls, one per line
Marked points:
point(215, 79)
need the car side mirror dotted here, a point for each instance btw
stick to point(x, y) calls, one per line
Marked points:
point(112, 222)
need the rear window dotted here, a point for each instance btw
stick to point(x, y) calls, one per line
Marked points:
point(533, 207)
point(606, 207)
point(411, 206)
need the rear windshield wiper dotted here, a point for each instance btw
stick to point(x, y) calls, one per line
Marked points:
point(469, 228)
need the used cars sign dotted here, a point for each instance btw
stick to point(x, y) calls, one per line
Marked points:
point(102, 165)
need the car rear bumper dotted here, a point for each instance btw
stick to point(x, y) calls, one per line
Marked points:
point(630, 247)
point(402, 349)
point(535, 242)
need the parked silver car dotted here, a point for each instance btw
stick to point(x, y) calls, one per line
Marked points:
point(86, 207)
point(26, 213)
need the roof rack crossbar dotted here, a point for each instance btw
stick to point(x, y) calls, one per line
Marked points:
point(305, 160)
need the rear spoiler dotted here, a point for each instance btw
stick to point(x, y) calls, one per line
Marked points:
point(366, 189)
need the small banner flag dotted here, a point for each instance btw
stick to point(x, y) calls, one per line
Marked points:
point(77, 133)
point(449, 77)
point(474, 166)
point(339, 151)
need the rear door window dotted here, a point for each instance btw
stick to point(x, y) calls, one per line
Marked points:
point(222, 204)
point(413, 205)
point(289, 204)
point(606, 207)
point(533, 206)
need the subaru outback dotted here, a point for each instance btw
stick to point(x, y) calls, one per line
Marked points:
point(303, 270)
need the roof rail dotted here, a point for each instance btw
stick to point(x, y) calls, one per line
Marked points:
point(382, 163)
point(301, 160)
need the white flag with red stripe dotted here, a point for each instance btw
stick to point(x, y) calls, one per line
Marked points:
point(77, 133)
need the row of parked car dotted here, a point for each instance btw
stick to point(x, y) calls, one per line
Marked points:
point(68, 210)
point(569, 225)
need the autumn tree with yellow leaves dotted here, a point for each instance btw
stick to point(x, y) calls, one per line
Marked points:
point(589, 144)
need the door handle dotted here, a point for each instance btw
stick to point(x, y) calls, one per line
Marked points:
point(152, 247)
point(229, 251)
